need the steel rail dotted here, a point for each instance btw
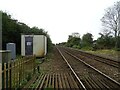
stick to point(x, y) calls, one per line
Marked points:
point(97, 58)
point(96, 55)
point(94, 68)
point(72, 69)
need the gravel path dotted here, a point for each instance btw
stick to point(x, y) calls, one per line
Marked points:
point(54, 65)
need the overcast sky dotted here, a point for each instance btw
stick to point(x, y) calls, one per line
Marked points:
point(59, 17)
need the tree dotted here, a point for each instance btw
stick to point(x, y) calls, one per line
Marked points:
point(12, 29)
point(106, 41)
point(73, 41)
point(87, 40)
point(111, 21)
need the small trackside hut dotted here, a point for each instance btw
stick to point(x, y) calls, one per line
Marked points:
point(33, 45)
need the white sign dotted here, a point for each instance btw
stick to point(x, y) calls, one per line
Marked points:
point(29, 43)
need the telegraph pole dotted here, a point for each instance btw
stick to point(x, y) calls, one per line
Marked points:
point(0, 49)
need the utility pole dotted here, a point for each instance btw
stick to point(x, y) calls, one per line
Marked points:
point(0, 49)
point(118, 25)
point(119, 22)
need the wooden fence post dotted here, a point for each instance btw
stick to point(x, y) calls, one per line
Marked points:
point(13, 73)
point(4, 77)
point(34, 64)
point(0, 76)
point(23, 69)
point(10, 76)
point(18, 77)
point(8, 83)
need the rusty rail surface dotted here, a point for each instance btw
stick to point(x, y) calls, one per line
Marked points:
point(100, 80)
point(111, 62)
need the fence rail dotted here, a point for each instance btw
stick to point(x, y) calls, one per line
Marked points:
point(16, 73)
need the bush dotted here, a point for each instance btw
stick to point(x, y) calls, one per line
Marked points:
point(76, 46)
point(87, 48)
point(117, 49)
point(29, 76)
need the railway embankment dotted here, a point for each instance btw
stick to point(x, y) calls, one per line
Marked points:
point(111, 54)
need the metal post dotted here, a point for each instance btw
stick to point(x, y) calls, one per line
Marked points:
point(119, 22)
point(118, 52)
point(0, 49)
point(118, 30)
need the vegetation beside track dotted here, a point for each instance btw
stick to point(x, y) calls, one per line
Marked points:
point(12, 30)
point(108, 53)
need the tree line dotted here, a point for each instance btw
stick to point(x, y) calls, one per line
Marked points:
point(106, 41)
point(12, 30)
point(109, 37)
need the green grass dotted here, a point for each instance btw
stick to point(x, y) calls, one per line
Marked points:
point(18, 56)
point(86, 48)
point(108, 53)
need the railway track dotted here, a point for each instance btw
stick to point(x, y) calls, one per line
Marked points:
point(79, 76)
point(105, 66)
point(59, 77)
point(87, 74)
point(107, 61)
point(57, 80)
